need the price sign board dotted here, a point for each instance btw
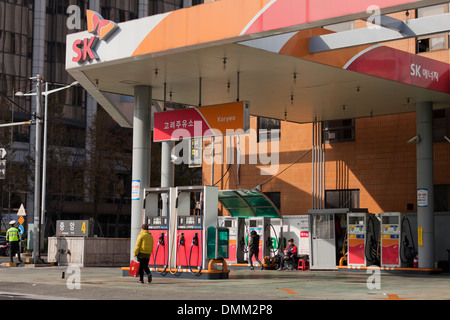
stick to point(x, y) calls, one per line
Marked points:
point(72, 228)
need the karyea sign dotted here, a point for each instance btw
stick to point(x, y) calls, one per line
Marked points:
point(222, 119)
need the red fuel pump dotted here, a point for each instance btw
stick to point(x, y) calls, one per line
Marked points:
point(190, 242)
point(158, 228)
point(156, 215)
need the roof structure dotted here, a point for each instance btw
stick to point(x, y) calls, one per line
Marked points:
point(246, 203)
point(258, 51)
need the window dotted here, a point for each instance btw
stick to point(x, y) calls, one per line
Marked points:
point(432, 10)
point(441, 124)
point(441, 198)
point(339, 130)
point(275, 197)
point(347, 198)
point(343, 26)
point(268, 129)
point(435, 42)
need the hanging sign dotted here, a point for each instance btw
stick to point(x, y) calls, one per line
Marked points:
point(217, 120)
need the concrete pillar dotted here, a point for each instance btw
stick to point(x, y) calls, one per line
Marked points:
point(425, 181)
point(167, 172)
point(94, 5)
point(141, 156)
point(143, 7)
point(167, 169)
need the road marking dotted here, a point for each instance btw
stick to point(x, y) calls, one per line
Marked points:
point(393, 297)
point(288, 291)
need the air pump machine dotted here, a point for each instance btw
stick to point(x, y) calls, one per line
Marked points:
point(362, 234)
point(396, 248)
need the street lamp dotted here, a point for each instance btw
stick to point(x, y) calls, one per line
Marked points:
point(38, 95)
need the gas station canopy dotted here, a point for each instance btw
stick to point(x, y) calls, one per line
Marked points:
point(257, 51)
point(247, 203)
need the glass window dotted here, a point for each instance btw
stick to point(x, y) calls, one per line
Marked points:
point(441, 124)
point(268, 129)
point(345, 198)
point(441, 198)
point(275, 197)
point(432, 10)
point(343, 26)
point(339, 130)
point(323, 226)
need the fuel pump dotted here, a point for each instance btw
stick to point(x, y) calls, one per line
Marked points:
point(262, 227)
point(361, 235)
point(195, 210)
point(190, 242)
point(158, 228)
point(372, 240)
point(237, 246)
point(396, 248)
point(276, 235)
point(156, 215)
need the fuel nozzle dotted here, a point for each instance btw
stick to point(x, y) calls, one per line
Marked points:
point(195, 240)
point(181, 241)
point(161, 239)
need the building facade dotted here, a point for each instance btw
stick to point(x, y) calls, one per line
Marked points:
point(356, 162)
point(33, 42)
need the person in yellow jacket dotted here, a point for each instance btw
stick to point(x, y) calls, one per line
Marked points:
point(142, 251)
point(13, 238)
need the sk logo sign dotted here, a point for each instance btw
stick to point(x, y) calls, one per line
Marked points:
point(101, 28)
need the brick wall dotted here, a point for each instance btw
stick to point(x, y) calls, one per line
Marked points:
point(379, 163)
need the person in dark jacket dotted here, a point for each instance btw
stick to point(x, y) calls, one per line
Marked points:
point(253, 249)
point(290, 252)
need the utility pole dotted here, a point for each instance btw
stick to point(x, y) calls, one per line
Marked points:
point(37, 173)
point(40, 217)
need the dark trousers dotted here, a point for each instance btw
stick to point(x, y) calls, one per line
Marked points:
point(251, 254)
point(13, 249)
point(143, 267)
point(283, 258)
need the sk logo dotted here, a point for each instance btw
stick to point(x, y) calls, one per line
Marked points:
point(98, 26)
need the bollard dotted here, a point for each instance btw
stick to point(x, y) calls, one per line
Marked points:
point(448, 250)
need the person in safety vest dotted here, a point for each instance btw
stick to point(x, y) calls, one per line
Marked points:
point(13, 238)
point(143, 251)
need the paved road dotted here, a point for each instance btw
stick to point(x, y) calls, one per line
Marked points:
point(110, 284)
point(275, 291)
